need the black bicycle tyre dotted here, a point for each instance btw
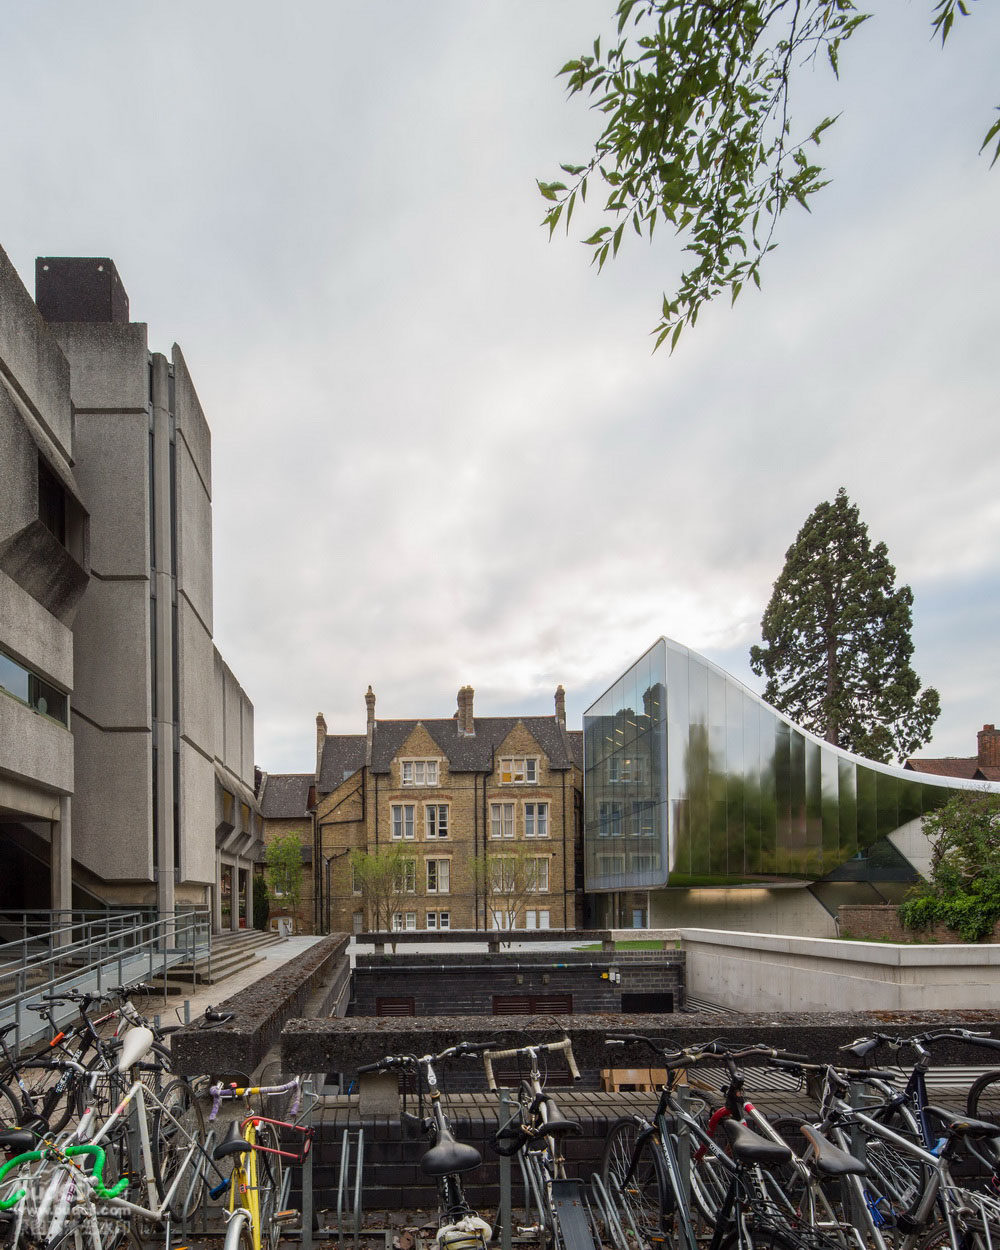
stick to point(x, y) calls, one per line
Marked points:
point(10, 1108)
point(764, 1239)
point(44, 1100)
point(973, 1108)
point(170, 1147)
point(974, 1236)
point(632, 1150)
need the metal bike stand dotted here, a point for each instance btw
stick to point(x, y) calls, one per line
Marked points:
point(504, 1213)
point(348, 1190)
point(608, 1212)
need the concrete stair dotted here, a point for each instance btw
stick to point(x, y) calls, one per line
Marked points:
point(231, 953)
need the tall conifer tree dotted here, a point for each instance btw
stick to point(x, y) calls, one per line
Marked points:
point(837, 643)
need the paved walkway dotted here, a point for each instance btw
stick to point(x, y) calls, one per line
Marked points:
point(272, 957)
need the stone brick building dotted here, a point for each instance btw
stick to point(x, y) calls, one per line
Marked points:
point(486, 813)
point(983, 766)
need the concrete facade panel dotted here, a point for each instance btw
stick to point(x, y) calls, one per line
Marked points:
point(190, 419)
point(197, 792)
point(34, 748)
point(107, 362)
point(34, 636)
point(26, 801)
point(32, 357)
point(18, 470)
point(112, 813)
point(194, 536)
point(112, 453)
point(759, 910)
point(195, 678)
point(111, 643)
point(247, 760)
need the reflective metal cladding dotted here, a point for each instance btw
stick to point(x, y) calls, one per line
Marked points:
point(692, 780)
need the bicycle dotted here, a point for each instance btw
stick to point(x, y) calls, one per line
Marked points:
point(460, 1227)
point(933, 1211)
point(61, 1201)
point(562, 1214)
point(258, 1184)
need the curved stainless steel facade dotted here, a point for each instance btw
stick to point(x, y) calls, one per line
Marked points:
point(692, 780)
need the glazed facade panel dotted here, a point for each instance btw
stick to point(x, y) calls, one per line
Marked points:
point(691, 780)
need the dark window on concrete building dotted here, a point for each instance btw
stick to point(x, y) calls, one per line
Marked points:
point(51, 502)
point(657, 1002)
point(402, 1005)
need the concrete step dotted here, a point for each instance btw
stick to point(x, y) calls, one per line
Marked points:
point(210, 972)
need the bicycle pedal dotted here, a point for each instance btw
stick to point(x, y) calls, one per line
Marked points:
point(279, 1217)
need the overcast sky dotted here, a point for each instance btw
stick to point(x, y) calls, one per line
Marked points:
point(443, 452)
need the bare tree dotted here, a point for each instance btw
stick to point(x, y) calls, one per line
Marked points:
point(386, 879)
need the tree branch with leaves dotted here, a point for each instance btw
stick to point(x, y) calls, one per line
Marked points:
point(699, 135)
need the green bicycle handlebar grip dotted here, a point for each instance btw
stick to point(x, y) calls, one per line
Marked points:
point(29, 1156)
point(99, 1157)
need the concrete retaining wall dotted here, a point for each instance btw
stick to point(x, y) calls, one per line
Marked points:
point(768, 972)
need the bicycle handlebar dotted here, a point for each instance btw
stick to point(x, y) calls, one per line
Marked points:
point(96, 1177)
point(530, 1052)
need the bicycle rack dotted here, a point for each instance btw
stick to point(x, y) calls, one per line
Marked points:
point(348, 1187)
point(607, 1213)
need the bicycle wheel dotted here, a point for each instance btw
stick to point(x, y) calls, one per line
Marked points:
point(51, 1093)
point(536, 1204)
point(894, 1175)
point(764, 1239)
point(270, 1170)
point(635, 1176)
point(238, 1236)
point(10, 1108)
point(974, 1235)
point(177, 1124)
point(983, 1101)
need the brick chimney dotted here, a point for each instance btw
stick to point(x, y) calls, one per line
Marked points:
point(466, 720)
point(320, 741)
point(370, 727)
point(989, 747)
point(561, 707)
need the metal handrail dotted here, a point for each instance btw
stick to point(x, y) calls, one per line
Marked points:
point(149, 948)
point(26, 949)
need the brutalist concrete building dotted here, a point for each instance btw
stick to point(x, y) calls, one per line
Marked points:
point(126, 743)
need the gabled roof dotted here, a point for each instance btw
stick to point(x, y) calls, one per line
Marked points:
point(285, 796)
point(345, 754)
point(950, 766)
point(985, 772)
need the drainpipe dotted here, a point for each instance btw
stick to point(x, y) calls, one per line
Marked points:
point(565, 860)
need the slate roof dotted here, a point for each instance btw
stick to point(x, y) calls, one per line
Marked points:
point(285, 796)
point(345, 754)
point(951, 766)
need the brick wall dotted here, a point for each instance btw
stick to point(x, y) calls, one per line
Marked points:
point(882, 924)
point(467, 984)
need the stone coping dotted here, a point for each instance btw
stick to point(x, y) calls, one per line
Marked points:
point(341, 1045)
point(259, 1012)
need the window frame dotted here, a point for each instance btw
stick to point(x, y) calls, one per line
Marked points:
point(508, 767)
point(435, 833)
point(430, 772)
point(532, 886)
point(539, 809)
point(401, 821)
point(435, 864)
point(498, 822)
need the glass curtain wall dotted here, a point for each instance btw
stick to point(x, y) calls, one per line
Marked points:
point(691, 780)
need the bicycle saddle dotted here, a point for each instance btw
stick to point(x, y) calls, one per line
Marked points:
point(964, 1126)
point(234, 1144)
point(17, 1140)
point(830, 1159)
point(556, 1124)
point(448, 1155)
point(750, 1147)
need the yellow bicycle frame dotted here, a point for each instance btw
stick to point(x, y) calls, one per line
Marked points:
point(244, 1191)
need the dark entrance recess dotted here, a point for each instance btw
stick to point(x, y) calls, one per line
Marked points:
point(661, 1002)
